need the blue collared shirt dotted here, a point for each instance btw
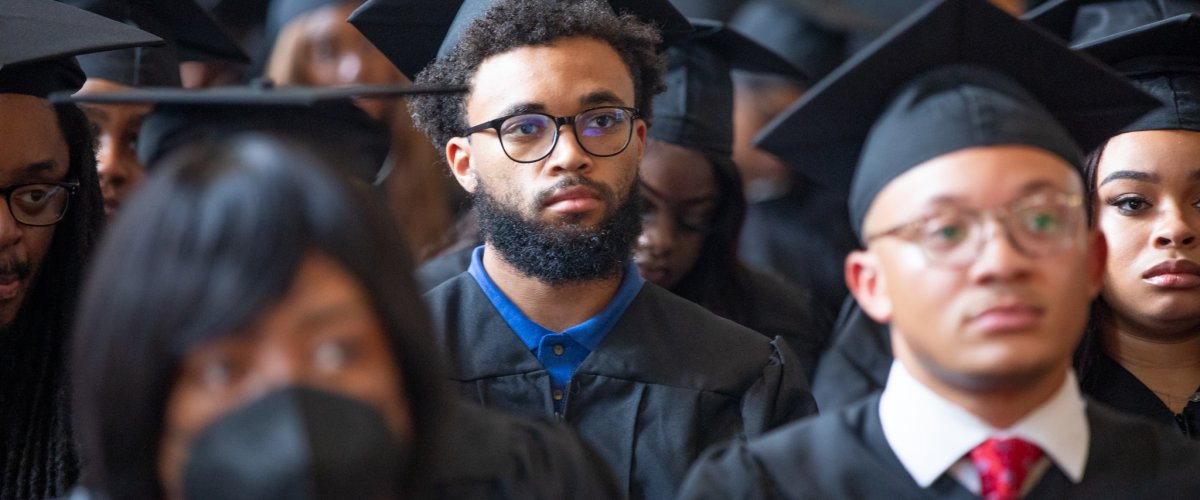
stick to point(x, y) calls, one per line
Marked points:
point(561, 353)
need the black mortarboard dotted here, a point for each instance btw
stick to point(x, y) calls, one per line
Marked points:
point(718, 10)
point(954, 75)
point(1083, 21)
point(789, 33)
point(39, 39)
point(414, 33)
point(190, 32)
point(696, 111)
point(325, 119)
point(1161, 54)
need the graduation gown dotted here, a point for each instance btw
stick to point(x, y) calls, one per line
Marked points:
point(857, 363)
point(669, 380)
point(844, 455)
point(1110, 383)
point(491, 455)
point(776, 307)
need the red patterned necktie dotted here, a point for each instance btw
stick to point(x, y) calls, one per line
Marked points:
point(1003, 465)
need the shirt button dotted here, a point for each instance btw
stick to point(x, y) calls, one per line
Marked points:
point(559, 350)
point(557, 395)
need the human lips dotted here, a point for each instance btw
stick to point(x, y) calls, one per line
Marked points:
point(10, 284)
point(576, 199)
point(654, 273)
point(1007, 315)
point(1174, 275)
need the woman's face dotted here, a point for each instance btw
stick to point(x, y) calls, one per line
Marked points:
point(338, 55)
point(1148, 207)
point(679, 197)
point(324, 334)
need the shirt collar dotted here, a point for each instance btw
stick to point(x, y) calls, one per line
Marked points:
point(588, 334)
point(929, 434)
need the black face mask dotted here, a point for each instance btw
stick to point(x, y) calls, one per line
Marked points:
point(296, 443)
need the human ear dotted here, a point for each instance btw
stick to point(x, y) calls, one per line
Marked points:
point(865, 279)
point(458, 156)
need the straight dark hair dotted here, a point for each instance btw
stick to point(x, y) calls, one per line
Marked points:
point(37, 457)
point(212, 241)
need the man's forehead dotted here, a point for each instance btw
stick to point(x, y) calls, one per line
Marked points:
point(33, 145)
point(568, 72)
point(981, 177)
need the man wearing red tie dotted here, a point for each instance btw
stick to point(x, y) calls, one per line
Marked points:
point(961, 163)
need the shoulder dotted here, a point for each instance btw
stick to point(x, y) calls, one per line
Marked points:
point(491, 451)
point(793, 461)
point(1141, 453)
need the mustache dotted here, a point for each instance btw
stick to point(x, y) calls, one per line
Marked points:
point(606, 194)
point(1003, 295)
point(18, 268)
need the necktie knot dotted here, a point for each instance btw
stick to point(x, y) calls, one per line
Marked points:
point(1003, 466)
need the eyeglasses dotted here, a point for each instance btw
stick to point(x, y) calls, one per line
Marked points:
point(39, 204)
point(530, 137)
point(1037, 225)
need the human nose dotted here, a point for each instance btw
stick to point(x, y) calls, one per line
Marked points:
point(999, 257)
point(658, 235)
point(350, 67)
point(568, 154)
point(1175, 229)
point(10, 229)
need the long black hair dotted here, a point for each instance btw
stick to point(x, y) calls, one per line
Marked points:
point(208, 244)
point(37, 457)
point(1091, 347)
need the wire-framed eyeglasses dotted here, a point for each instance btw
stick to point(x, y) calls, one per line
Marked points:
point(39, 203)
point(1037, 225)
point(530, 137)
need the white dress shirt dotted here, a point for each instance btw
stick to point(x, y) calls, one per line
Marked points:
point(932, 436)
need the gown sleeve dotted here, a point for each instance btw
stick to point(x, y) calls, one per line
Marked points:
point(780, 395)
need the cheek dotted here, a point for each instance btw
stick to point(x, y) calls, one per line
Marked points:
point(1126, 240)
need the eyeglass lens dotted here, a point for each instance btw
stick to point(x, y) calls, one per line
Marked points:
point(38, 204)
point(1036, 227)
point(601, 132)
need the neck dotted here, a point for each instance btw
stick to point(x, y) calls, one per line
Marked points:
point(1000, 404)
point(556, 307)
point(1167, 364)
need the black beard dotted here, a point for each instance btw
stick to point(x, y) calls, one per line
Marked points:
point(562, 253)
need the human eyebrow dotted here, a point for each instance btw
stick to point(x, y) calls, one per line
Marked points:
point(39, 168)
point(600, 97)
point(1132, 175)
point(521, 108)
point(324, 315)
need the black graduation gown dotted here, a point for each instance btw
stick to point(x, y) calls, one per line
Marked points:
point(844, 455)
point(444, 267)
point(857, 363)
point(669, 380)
point(1110, 383)
point(491, 455)
point(776, 307)
point(803, 236)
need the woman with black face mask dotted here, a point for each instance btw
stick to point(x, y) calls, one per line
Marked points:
point(252, 331)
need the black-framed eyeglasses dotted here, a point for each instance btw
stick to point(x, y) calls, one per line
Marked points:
point(1037, 225)
point(39, 203)
point(530, 137)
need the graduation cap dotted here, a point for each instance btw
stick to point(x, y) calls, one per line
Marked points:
point(325, 119)
point(696, 111)
point(414, 33)
point(789, 33)
point(954, 75)
point(39, 39)
point(1083, 21)
point(1163, 59)
point(190, 32)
